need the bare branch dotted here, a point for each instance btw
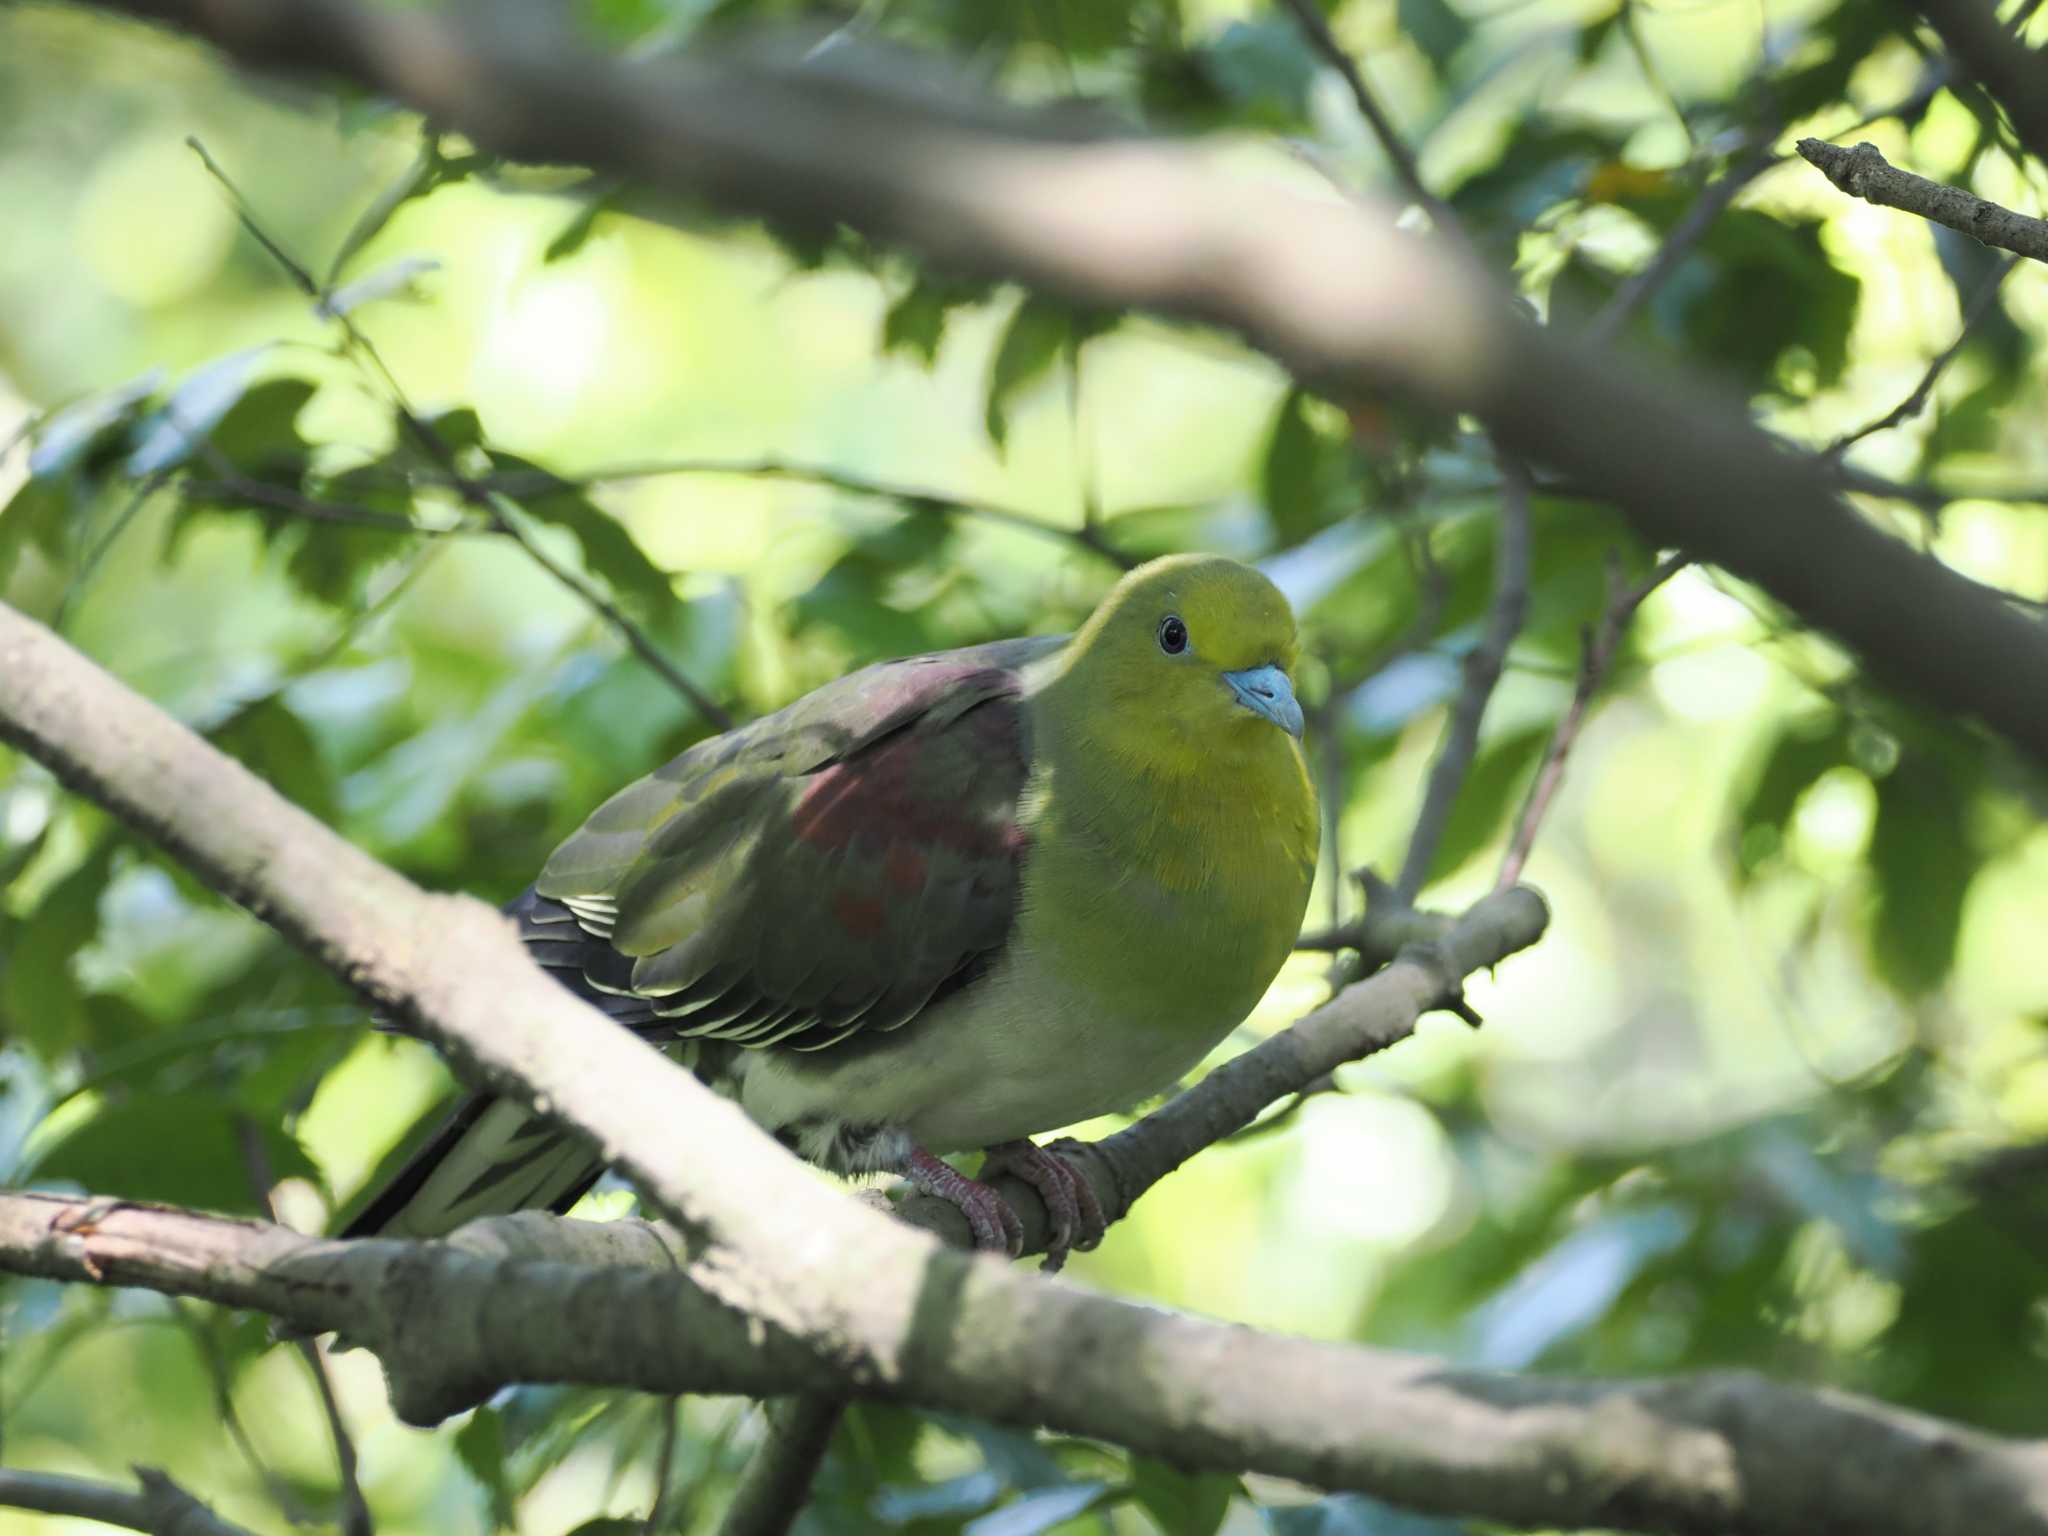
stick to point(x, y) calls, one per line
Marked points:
point(1863, 172)
point(1482, 670)
point(622, 1303)
point(1979, 306)
point(1596, 657)
point(1714, 200)
point(1088, 536)
point(1309, 17)
point(777, 1482)
point(159, 1507)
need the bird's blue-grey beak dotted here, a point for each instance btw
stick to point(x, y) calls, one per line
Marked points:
point(1267, 691)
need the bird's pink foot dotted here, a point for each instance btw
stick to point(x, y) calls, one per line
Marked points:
point(989, 1217)
point(1077, 1218)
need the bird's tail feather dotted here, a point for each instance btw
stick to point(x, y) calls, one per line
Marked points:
point(492, 1157)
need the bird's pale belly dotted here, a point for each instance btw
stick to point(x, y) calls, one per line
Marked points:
point(1017, 1054)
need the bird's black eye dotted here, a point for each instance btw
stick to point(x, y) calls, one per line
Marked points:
point(1173, 635)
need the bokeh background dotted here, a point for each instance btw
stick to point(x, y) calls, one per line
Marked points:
point(1772, 1091)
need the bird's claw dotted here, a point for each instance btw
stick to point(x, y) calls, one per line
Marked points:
point(1077, 1217)
point(995, 1226)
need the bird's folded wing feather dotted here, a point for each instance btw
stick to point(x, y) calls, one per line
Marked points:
point(829, 868)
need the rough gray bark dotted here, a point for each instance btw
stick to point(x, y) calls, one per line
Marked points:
point(547, 1299)
point(1863, 172)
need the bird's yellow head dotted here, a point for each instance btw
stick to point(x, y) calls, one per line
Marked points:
point(1187, 660)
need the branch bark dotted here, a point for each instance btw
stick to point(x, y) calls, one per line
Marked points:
point(1864, 172)
point(622, 1303)
point(1336, 293)
point(159, 1506)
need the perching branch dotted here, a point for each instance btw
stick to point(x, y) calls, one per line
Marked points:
point(1342, 297)
point(622, 1303)
point(159, 1507)
point(1863, 172)
point(755, 1294)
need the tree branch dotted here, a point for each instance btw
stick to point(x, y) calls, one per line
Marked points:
point(1863, 172)
point(1342, 297)
point(777, 1482)
point(622, 1303)
point(1596, 656)
point(1482, 672)
point(159, 1507)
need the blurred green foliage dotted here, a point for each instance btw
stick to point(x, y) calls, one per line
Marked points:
point(1773, 1091)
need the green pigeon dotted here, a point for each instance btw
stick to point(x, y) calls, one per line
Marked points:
point(941, 905)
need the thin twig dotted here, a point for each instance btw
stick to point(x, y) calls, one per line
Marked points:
point(1598, 654)
point(1482, 670)
point(208, 1349)
point(159, 1507)
point(918, 499)
point(1864, 172)
point(1309, 17)
point(1979, 306)
point(1706, 209)
point(777, 1483)
point(355, 1509)
point(664, 1466)
point(231, 487)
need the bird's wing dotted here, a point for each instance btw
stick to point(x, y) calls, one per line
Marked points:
point(829, 868)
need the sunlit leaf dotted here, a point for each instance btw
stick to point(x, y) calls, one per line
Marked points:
point(175, 432)
point(1184, 1503)
point(63, 442)
point(395, 278)
point(178, 1148)
point(1040, 1510)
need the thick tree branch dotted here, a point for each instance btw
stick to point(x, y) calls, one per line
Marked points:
point(159, 1506)
point(762, 1293)
point(541, 1298)
point(1863, 172)
point(1341, 296)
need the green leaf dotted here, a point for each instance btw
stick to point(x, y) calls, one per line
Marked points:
point(259, 435)
point(174, 433)
point(1353, 1514)
point(609, 551)
point(1491, 793)
point(1802, 753)
point(1183, 1503)
point(968, 1494)
point(38, 984)
point(480, 1446)
point(1264, 69)
point(1756, 288)
point(1038, 333)
point(37, 517)
point(1433, 27)
point(1038, 1511)
point(66, 440)
point(1923, 862)
point(179, 1148)
point(610, 1525)
point(916, 321)
point(393, 278)
point(274, 744)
